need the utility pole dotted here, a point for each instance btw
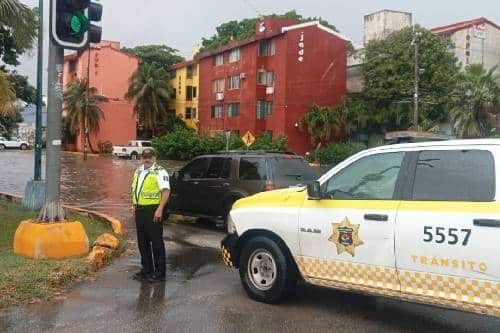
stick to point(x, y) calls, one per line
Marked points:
point(416, 44)
point(85, 120)
point(35, 189)
point(52, 210)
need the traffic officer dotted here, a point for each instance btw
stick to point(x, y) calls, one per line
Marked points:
point(150, 192)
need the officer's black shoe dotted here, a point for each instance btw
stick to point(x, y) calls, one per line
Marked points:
point(140, 276)
point(156, 277)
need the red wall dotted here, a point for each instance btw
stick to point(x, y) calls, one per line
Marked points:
point(319, 79)
point(119, 125)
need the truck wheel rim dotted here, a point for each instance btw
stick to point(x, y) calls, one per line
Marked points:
point(262, 269)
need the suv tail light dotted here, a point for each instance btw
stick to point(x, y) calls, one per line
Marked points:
point(269, 187)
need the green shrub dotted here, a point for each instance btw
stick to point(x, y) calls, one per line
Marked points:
point(265, 141)
point(337, 152)
point(183, 143)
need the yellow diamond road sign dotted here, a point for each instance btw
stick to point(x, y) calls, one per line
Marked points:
point(248, 138)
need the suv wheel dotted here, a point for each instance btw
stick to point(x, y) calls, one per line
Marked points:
point(2, 146)
point(24, 146)
point(266, 273)
point(222, 224)
point(134, 155)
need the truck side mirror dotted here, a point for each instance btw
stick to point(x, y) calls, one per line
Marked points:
point(314, 191)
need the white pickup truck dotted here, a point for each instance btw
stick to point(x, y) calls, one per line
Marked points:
point(14, 143)
point(133, 149)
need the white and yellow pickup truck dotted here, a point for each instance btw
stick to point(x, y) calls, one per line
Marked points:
point(418, 222)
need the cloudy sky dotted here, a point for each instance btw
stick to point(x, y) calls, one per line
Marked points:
point(182, 23)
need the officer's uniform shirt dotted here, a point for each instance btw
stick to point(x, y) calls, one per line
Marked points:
point(162, 178)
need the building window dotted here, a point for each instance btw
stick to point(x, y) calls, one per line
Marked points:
point(265, 78)
point(172, 73)
point(219, 59)
point(217, 111)
point(269, 108)
point(72, 66)
point(218, 85)
point(190, 113)
point(190, 93)
point(261, 109)
point(233, 82)
point(234, 55)
point(233, 110)
point(191, 71)
point(173, 95)
point(266, 47)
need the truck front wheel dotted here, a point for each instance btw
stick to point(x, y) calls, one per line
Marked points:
point(266, 273)
point(134, 155)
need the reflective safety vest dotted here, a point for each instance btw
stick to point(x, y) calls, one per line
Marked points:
point(149, 192)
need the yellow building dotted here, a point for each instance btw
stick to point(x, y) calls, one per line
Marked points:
point(185, 81)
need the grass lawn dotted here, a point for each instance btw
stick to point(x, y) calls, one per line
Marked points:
point(26, 280)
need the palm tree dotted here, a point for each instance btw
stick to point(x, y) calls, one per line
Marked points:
point(83, 109)
point(21, 21)
point(321, 122)
point(475, 98)
point(7, 97)
point(150, 88)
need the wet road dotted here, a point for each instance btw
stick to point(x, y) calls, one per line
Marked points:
point(200, 294)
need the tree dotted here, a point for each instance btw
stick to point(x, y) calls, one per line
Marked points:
point(18, 27)
point(24, 90)
point(389, 79)
point(7, 97)
point(82, 108)
point(160, 56)
point(150, 88)
point(321, 123)
point(239, 30)
point(475, 98)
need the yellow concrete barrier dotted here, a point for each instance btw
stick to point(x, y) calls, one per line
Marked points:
point(51, 240)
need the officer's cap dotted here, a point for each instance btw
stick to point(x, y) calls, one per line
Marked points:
point(148, 153)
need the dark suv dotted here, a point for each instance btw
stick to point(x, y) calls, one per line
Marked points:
point(209, 185)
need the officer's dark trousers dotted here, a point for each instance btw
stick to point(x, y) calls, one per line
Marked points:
point(150, 240)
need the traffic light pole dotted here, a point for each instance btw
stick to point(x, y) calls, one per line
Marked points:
point(52, 210)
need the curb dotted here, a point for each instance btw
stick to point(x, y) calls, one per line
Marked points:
point(115, 224)
point(79, 153)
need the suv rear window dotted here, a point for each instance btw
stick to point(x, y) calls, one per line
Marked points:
point(455, 175)
point(220, 167)
point(252, 168)
point(292, 168)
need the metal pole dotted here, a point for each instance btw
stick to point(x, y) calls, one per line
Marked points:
point(39, 87)
point(86, 125)
point(417, 70)
point(52, 210)
point(34, 192)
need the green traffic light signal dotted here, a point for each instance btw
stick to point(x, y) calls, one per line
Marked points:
point(79, 23)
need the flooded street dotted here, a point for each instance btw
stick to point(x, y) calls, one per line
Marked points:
point(100, 183)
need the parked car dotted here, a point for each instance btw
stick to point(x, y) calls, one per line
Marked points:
point(13, 143)
point(418, 222)
point(210, 184)
point(132, 150)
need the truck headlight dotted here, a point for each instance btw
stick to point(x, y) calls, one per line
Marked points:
point(231, 228)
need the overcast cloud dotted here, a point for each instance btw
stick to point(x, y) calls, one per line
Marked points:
point(181, 24)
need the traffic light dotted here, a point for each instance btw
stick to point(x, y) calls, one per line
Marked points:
point(71, 23)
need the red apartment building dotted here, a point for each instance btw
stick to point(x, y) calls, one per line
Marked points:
point(109, 72)
point(268, 81)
